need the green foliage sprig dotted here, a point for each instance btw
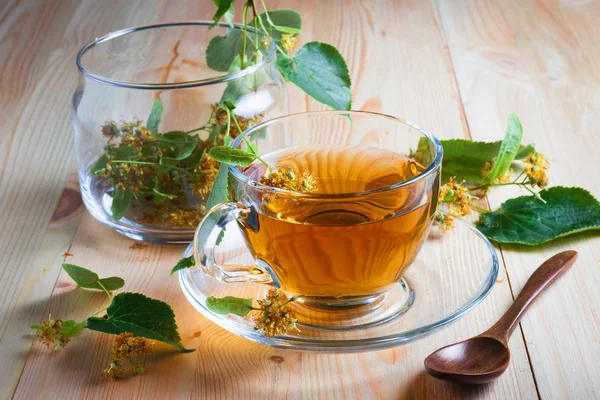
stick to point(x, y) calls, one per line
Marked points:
point(471, 169)
point(135, 319)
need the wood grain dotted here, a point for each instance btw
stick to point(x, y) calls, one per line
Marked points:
point(548, 76)
point(457, 68)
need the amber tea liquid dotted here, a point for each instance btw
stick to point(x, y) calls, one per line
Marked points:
point(337, 248)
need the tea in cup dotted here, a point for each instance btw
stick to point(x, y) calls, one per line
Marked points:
point(349, 238)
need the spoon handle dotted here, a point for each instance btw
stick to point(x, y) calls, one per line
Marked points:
point(539, 281)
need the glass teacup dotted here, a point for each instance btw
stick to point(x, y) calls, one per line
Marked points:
point(344, 245)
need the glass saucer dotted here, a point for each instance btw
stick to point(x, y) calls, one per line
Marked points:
point(453, 273)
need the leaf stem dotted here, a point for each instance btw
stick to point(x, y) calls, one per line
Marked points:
point(245, 33)
point(245, 138)
point(105, 291)
point(98, 312)
point(536, 194)
point(480, 209)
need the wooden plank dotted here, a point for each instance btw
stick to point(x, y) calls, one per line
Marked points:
point(541, 60)
point(37, 78)
point(399, 66)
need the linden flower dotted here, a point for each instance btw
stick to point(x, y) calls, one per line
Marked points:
point(446, 222)
point(289, 41)
point(275, 316)
point(49, 333)
point(221, 117)
point(127, 347)
point(487, 167)
point(286, 179)
point(110, 130)
point(265, 41)
point(458, 196)
point(536, 166)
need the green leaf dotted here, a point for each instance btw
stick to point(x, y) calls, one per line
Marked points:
point(36, 327)
point(100, 165)
point(465, 159)
point(224, 154)
point(218, 193)
point(182, 143)
point(155, 115)
point(285, 20)
point(508, 149)
point(229, 16)
point(121, 203)
point(223, 6)
point(229, 304)
point(141, 316)
point(184, 263)
point(221, 50)
point(528, 220)
point(160, 197)
point(239, 87)
point(72, 328)
point(85, 278)
point(320, 70)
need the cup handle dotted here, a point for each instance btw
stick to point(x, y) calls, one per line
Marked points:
point(205, 241)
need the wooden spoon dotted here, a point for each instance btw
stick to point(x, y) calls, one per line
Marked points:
point(485, 357)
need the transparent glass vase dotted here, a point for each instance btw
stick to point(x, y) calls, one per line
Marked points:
point(147, 173)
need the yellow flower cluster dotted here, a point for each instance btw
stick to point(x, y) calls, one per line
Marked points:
point(222, 118)
point(127, 347)
point(49, 334)
point(275, 316)
point(458, 196)
point(536, 166)
point(286, 179)
point(289, 41)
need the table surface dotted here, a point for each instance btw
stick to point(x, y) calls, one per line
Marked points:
point(457, 67)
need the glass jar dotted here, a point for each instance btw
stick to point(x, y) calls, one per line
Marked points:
point(147, 110)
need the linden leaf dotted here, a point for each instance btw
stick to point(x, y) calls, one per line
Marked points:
point(182, 143)
point(141, 316)
point(120, 203)
point(320, 70)
point(160, 197)
point(187, 262)
point(285, 18)
point(72, 328)
point(465, 159)
point(87, 279)
point(224, 154)
point(221, 50)
point(223, 7)
point(155, 115)
point(249, 83)
point(229, 304)
point(218, 193)
point(530, 221)
point(508, 150)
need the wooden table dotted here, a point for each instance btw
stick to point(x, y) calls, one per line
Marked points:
point(457, 67)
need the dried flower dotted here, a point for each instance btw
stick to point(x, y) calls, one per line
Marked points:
point(286, 179)
point(110, 130)
point(446, 221)
point(289, 41)
point(127, 347)
point(138, 245)
point(265, 41)
point(458, 196)
point(49, 333)
point(275, 316)
point(536, 166)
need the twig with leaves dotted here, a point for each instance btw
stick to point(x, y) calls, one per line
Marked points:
point(471, 169)
point(135, 319)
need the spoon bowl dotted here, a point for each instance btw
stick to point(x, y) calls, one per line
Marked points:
point(485, 357)
point(477, 360)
